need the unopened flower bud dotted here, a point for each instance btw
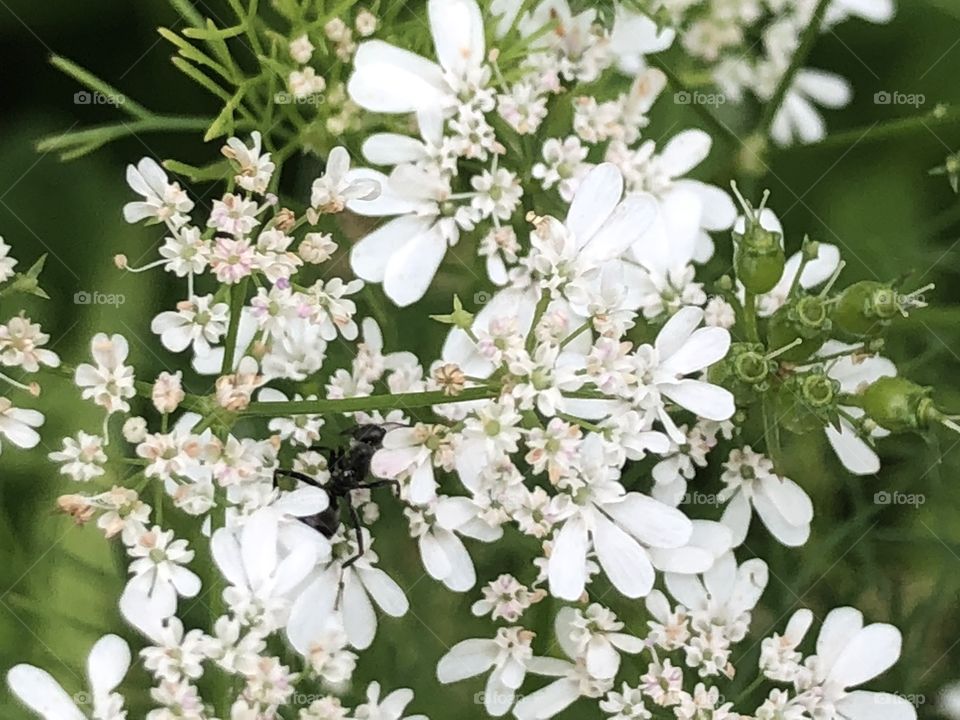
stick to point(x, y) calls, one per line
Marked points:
point(120, 260)
point(135, 430)
point(76, 506)
point(284, 220)
point(168, 392)
point(900, 405)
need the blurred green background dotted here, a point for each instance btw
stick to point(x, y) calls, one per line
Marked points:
point(58, 583)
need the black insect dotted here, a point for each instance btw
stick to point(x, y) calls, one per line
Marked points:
point(349, 469)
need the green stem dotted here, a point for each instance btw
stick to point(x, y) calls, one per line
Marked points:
point(747, 691)
point(796, 62)
point(366, 404)
point(542, 306)
point(885, 130)
point(750, 317)
point(719, 127)
point(238, 295)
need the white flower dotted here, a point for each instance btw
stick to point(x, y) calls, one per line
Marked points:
point(236, 216)
point(306, 82)
point(798, 118)
point(405, 253)
point(680, 350)
point(198, 322)
point(7, 263)
point(255, 166)
point(389, 708)
point(107, 665)
point(573, 681)
point(508, 655)
point(361, 581)
point(17, 425)
point(635, 35)
point(262, 576)
point(82, 458)
point(564, 165)
point(21, 344)
point(783, 506)
point(388, 79)
point(875, 11)
point(163, 201)
point(619, 526)
point(331, 192)
point(159, 573)
point(409, 452)
point(109, 383)
point(849, 654)
point(595, 632)
point(855, 373)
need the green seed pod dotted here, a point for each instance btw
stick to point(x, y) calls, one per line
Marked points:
point(899, 405)
point(807, 319)
point(807, 402)
point(745, 372)
point(865, 309)
point(758, 257)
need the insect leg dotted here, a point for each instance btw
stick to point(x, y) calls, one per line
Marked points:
point(280, 472)
point(355, 521)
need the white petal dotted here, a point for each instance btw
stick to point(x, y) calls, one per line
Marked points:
point(708, 401)
point(839, 628)
point(294, 568)
point(434, 559)
point(703, 348)
point(677, 330)
point(871, 652)
point(736, 516)
point(603, 661)
point(369, 257)
point(107, 664)
point(686, 560)
point(258, 546)
point(622, 559)
point(462, 575)
point(457, 29)
point(387, 594)
point(864, 705)
point(391, 80)
point(855, 454)
point(649, 521)
point(38, 690)
point(467, 659)
point(791, 500)
point(784, 531)
point(685, 151)
point(625, 226)
point(423, 487)
point(824, 88)
point(567, 567)
point(411, 268)
point(547, 701)
point(312, 609)
point(595, 200)
point(393, 149)
point(359, 619)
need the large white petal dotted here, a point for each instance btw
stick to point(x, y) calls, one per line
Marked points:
point(870, 652)
point(393, 149)
point(387, 594)
point(782, 529)
point(856, 455)
point(625, 226)
point(359, 619)
point(703, 348)
point(864, 705)
point(650, 521)
point(467, 659)
point(107, 664)
point(38, 690)
point(685, 151)
point(410, 269)
point(370, 256)
point(790, 499)
point(392, 80)
point(708, 401)
point(457, 29)
point(677, 330)
point(839, 627)
point(567, 567)
point(622, 559)
point(547, 701)
point(595, 200)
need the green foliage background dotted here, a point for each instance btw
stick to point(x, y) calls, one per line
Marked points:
point(58, 583)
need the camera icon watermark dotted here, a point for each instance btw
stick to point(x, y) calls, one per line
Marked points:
point(884, 497)
point(685, 97)
point(482, 297)
point(701, 498)
point(288, 98)
point(895, 97)
point(88, 297)
point(84, 97)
